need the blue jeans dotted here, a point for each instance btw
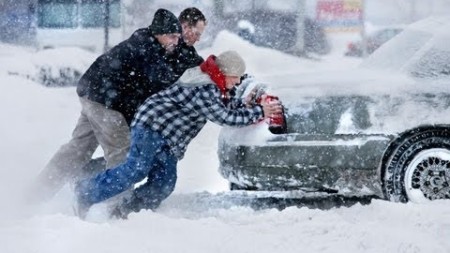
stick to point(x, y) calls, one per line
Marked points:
point(150, 157)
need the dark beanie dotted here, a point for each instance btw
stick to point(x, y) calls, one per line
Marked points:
point(165, 22)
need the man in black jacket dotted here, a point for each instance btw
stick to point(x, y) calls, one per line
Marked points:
point(115, 85)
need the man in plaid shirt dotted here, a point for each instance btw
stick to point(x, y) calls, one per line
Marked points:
point(163, 127)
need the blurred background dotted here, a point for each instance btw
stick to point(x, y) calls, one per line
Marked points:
point(298, 27)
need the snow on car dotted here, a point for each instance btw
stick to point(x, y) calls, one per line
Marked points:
point(382, 129)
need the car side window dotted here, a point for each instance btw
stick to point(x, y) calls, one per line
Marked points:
point(433, 64)
point(404, 47)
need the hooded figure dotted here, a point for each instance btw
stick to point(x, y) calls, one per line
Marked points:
point(164, 22)
point(125, 76)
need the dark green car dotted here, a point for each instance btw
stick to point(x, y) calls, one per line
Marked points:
point(381, 130)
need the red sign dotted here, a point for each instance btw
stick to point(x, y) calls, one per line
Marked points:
point(339, 13)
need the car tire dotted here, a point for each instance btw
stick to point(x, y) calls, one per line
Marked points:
point(237, 187)
point(418, 168)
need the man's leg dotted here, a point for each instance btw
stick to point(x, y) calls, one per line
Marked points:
point(66, 164)
point(111, 130)
point(160, 184)
point(146, 144)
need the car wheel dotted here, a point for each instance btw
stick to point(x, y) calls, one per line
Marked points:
point(418, 169)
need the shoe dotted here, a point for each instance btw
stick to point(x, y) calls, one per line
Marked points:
point(81, 207)
point(118, 214)
point(124, 207)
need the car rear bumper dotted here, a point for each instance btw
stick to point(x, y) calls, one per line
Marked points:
point(338, 162)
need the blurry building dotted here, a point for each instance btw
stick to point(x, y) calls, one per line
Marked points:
point(17, 21)
point(51, 23)
point(78, 23)
point(271, 23)
point(47, 23)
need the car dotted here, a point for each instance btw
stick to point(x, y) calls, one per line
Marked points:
point(264, 27)
point(373, 42)
point(268, 34)
point(382, 129)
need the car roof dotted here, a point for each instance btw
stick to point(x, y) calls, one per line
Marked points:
point(387, 71)
point(411, 44)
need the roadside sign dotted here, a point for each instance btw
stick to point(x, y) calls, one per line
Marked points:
point(338, 15)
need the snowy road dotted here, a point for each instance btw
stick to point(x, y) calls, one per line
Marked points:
point(198, 217)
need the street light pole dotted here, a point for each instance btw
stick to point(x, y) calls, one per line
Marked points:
point(363, 29)
point(299, 47)
point(106, 24)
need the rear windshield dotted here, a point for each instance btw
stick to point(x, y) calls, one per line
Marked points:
point(398, 52)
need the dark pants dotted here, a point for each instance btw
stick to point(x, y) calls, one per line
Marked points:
point(150, 158)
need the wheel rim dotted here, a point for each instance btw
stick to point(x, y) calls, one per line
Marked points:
point(427, 177)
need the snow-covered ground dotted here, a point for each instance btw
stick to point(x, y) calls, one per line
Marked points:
point(38, 119)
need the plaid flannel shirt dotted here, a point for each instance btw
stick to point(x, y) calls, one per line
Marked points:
point(182, 110)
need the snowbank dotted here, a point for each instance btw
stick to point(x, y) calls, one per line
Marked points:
point(50, 67)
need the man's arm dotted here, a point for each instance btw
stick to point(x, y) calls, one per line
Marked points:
point(208, 103)
point(186, 57)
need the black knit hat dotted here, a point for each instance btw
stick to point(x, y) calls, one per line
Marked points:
point(165, 22)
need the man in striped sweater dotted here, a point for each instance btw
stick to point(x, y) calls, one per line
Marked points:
point(164, 126)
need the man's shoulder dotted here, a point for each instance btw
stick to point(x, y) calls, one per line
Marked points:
point(194, 77)
point(140, 38)
point(190, 53)
point(185, 47)
point(141, 34)
point(142, 44)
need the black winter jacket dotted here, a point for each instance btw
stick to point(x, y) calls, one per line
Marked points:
point(122, 78)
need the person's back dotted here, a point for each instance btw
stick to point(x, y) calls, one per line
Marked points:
point(201, 99)
point(131, 71)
